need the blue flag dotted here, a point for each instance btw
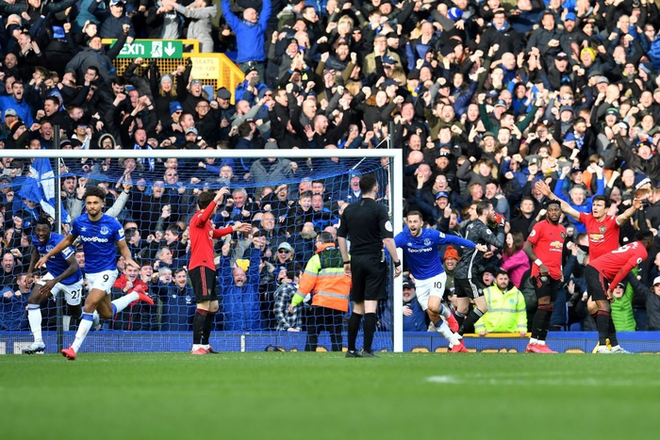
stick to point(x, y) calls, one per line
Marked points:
point(39, 187)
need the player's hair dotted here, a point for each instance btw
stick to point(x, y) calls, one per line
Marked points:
point(414, 212)
point(95, 191)
point(205, 199)
point(643, 235)
point(44, 221)
point(483, 206)
point(368, 183)
point(325, 237)
point(601, 199)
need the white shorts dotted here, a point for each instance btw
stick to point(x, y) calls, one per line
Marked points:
point(431, 287)
point(72, 292)
point(101, 280)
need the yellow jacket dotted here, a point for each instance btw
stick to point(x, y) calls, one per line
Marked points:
point(325, 279)
point(506, 311)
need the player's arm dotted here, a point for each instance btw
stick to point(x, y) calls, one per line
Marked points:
point(621, 274)
point(343, 249)
point(33, 262)
point(66, 241)
point(391, 248)
point(628, 213)
point(565, 207)
point(73, 268)
point(529, 250)
point(126, 253)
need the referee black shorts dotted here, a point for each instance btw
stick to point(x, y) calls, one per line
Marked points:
point(546, 286)
point(596, 283)
point(203, 282)
point(470, 288)
point(369, 275)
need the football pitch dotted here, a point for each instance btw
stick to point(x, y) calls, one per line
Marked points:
point(326, 396)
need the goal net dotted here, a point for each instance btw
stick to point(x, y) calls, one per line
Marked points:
point(290, 198)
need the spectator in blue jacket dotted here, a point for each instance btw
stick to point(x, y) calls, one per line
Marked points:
point(250, 35)
point(178, 304)
point(414, 318)
point(240, 292)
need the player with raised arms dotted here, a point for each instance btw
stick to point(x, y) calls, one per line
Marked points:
point(63, 276)
point(420, 248)
point(98, 234)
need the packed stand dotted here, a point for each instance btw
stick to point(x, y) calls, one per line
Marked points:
point(485, 100)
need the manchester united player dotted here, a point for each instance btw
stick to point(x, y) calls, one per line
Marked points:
point(602, 229)
point(605, 272)
point(202, 268)
point(544, 248)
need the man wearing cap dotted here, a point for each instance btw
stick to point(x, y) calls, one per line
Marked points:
point(250, 35)
point(113, 20)
point(414, 318)
point(652, 301)
point(544, 247)
point(248, 90)
point(572, 34)
point(420, 249)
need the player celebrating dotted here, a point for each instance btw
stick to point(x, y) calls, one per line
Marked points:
point(63, 276)
point(602, 230)
point(612, 268)
point(544, 247)
point(420, 249)
point(203, 276)
point(466, 280)
point(98, 233)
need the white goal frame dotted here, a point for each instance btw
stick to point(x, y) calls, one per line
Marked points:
point(395, 193)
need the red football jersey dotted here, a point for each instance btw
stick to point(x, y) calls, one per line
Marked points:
point(614, 266)
point(603, 236)
point(548, 243)
point(201, 238)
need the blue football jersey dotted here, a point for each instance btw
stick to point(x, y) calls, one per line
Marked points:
point(98, 240)
point(421, 253)
point(57, 264)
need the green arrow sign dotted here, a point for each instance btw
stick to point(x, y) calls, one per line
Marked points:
point(152, 49)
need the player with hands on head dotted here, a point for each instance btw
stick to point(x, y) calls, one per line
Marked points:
point(202, 271)
point(98, 234)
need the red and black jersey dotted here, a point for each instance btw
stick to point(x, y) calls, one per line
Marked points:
point(547, 240)
point(615, 265)
point(201, 238)
point(603, 236)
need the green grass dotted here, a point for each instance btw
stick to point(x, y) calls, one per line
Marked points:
point(325, 396)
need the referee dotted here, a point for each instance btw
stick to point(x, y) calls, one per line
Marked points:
point(367, 266)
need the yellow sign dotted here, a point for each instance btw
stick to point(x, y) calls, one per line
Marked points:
point(205, 68)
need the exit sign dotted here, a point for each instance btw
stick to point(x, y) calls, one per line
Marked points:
point(152, 49)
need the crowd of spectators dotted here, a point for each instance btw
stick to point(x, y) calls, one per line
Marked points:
point(484, 98)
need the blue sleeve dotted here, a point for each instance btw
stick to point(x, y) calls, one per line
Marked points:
point(230, 17)
point(600, 187)
point(559, 189)
point(454, 239)
point(119, 231)
point(411, 57)
point(399, 240)
point(265, 13)
point(253, 270)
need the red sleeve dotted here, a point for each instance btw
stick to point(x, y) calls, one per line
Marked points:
point(536, 232)
point(206, 215)
point(621, 274)
point(217, 233)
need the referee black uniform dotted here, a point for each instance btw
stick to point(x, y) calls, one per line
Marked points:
point(367, 224)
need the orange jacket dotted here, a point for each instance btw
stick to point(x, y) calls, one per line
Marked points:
point(325, 279)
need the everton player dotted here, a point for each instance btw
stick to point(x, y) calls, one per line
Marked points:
point(202, 267)
point(420, 248)
point(603, 274)
point(63, 276)
point(98, 234)
point(544, 248)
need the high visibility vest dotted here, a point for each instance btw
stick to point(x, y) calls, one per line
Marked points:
point(325, 279)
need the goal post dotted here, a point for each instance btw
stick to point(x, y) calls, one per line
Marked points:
point(327, 165)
